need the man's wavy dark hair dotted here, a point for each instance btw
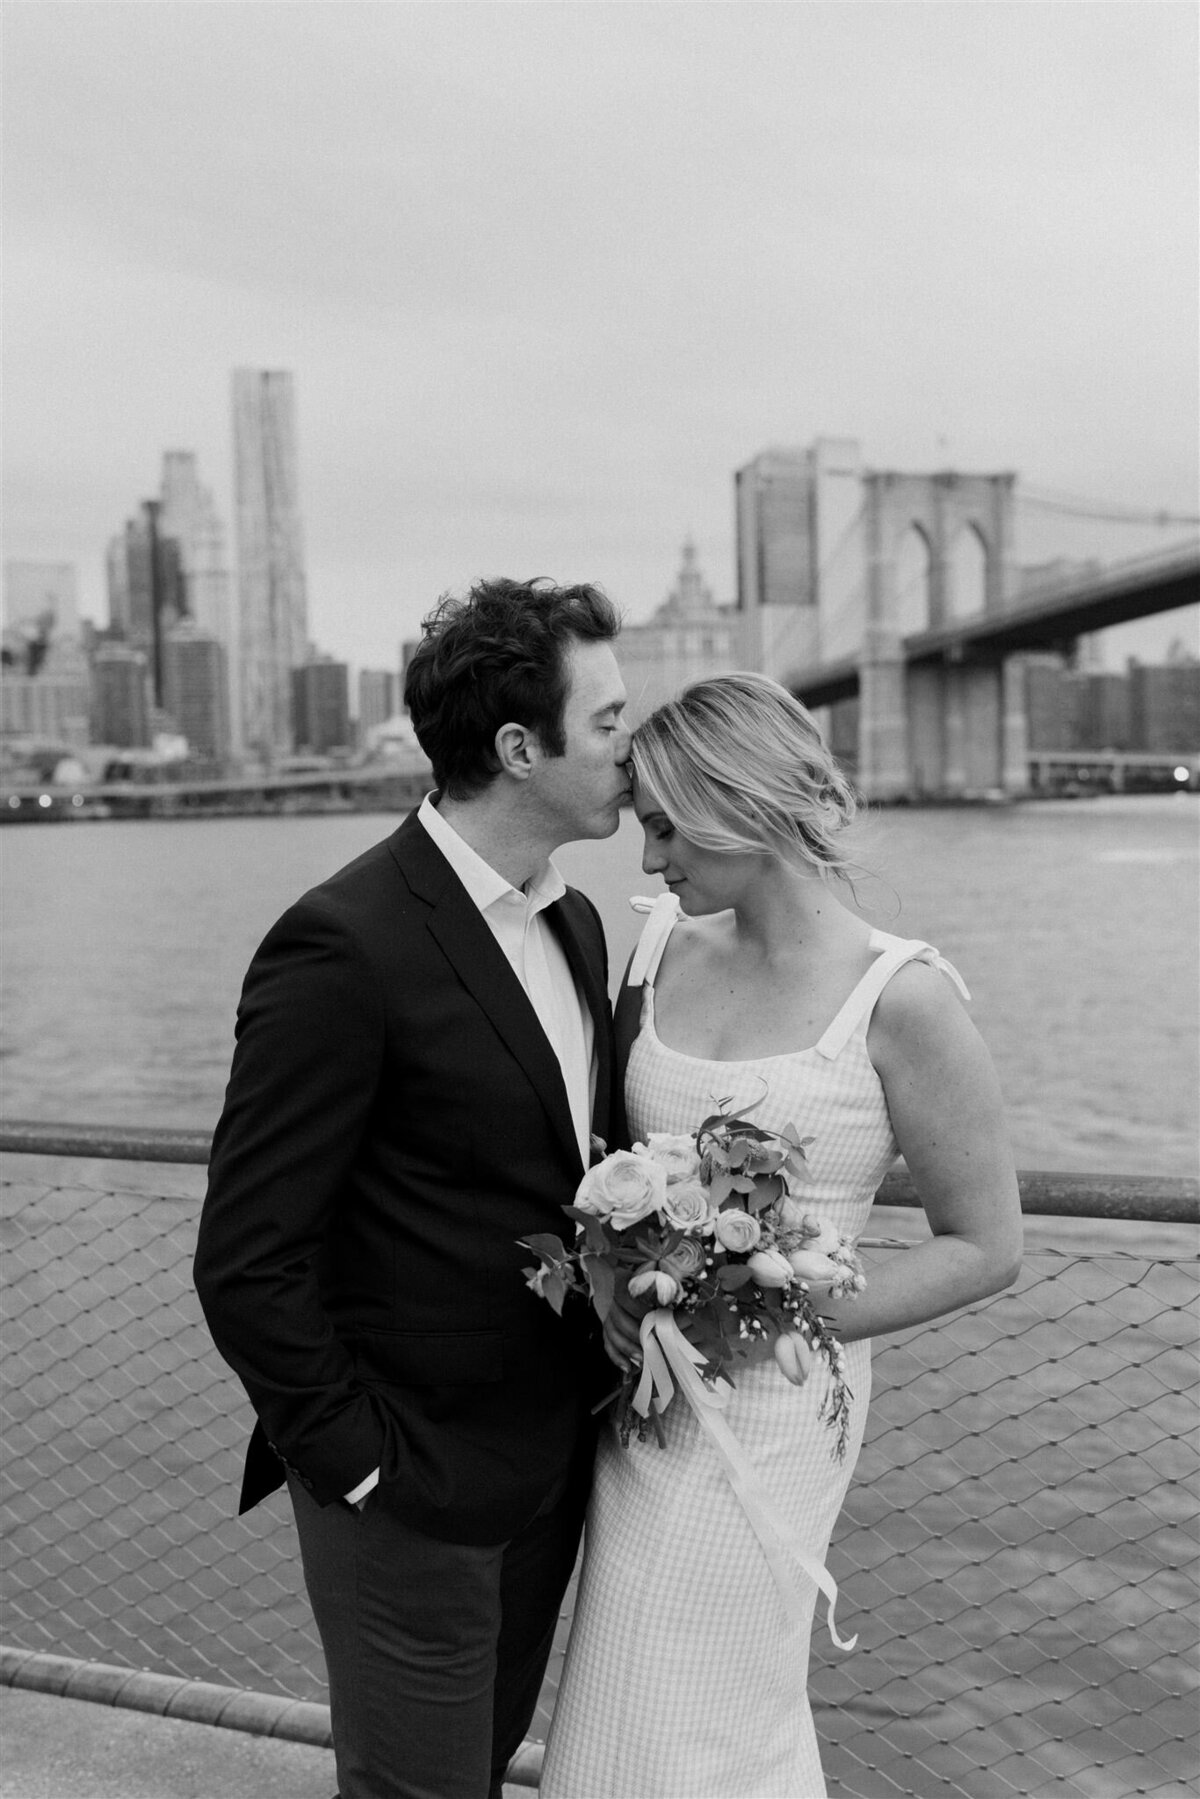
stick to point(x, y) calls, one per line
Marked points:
point(497, 657)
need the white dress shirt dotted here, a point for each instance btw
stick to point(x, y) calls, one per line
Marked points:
point(515, 919)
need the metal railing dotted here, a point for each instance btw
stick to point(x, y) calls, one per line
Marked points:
point(1015, 1551)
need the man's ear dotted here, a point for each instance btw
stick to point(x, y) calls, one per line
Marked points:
point(517, 751)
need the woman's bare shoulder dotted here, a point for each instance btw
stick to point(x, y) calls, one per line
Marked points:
point(918, 1008)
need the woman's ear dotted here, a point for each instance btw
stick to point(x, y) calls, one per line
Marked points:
point(517, 751)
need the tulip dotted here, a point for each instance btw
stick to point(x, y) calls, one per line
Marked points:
point(770, 1268)
point(794, 1357)
point(665, 1288)
point(811, 1266)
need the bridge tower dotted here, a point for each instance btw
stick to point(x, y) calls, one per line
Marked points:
point(950, 727)
point(840, 564)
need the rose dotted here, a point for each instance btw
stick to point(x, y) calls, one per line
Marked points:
point(685, 1261)
point(811, 1266)
point(677, 1155)
point(623, 1189)
point(737, 1231)
point(663, 1286)
point(687, 1206)
point(770, 1268)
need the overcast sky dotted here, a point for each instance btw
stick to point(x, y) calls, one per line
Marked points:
point(547, 274)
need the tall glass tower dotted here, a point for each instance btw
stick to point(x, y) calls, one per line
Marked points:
point(272, 600)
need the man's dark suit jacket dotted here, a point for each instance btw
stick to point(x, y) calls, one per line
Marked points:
point(395, 1121)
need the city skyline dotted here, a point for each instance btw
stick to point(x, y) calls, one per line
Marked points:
point(963, 234)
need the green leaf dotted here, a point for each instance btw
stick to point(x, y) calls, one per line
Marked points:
point(595, 1236)
point(555, 1290)
point(547, 1245)
point(602, 1282)
point(733, 1276)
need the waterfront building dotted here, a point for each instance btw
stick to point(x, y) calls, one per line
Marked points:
point(52, 705)
point(196, 690)
point(1103, 710)
point(801, 585)
point(1051, 703)
point(271, 590)
point(121, 702)
point(775, 530)
point(41, 608)
point(44, 683)
point(1164, 705)
point(146, 587)
point(1145, 710)
point(688, 638)
point(408, 650)
point(377, 700)
point(321, 706)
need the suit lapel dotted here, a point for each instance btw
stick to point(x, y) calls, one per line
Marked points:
point(457, 926)
point(587, 976)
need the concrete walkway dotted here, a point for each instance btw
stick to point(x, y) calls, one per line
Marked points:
point(52, 1748)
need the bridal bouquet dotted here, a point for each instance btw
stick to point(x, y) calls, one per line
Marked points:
point(707, 1226)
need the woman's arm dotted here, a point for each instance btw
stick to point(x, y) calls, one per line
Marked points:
point(947, 1113)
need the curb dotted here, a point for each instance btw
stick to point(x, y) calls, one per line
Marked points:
point(197, 1702)
point(168, 1696)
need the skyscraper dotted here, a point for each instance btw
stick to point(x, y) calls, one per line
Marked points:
point(146, 589)
point(377, 700)
point(775, 530)
point(321, 706)
point(801, 557)
point(196, 689)
point(120, 697)
point(272, 601)
point(189, 516)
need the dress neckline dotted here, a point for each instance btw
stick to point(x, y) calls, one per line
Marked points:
point(879, 942)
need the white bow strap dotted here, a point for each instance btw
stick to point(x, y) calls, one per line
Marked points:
point(666, 1352)
point(662, 913)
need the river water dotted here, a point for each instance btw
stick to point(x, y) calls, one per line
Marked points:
point(1075, 924)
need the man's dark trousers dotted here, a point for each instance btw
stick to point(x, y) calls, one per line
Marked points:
point(435, 1651)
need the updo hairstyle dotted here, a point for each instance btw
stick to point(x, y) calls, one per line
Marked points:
point(738, 765)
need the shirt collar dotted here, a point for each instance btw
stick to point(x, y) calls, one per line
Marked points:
point(484, 886)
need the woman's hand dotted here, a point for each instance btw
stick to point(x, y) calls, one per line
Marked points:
point(622, 1327)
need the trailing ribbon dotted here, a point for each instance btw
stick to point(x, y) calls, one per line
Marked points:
point(666, 1352)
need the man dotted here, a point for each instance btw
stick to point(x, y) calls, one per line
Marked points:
point(424, 1057)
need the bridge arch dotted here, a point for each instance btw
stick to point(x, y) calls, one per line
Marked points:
point(913, 581)
point(966, 586)
point(958, 516)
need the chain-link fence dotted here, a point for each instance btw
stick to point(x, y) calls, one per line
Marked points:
point(1017, 1552)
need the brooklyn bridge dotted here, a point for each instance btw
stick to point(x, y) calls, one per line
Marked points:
point(919, 614)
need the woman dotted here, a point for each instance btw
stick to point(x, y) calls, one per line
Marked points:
point(686, 1672)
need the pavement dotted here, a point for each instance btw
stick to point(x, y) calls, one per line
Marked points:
point(56, 1748)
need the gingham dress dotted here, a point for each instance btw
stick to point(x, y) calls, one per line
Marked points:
point(684, 1678)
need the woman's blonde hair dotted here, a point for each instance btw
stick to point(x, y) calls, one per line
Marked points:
point(738, 765)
